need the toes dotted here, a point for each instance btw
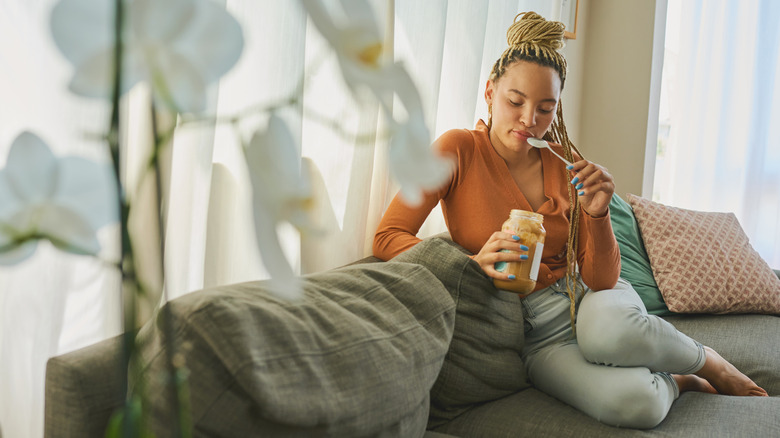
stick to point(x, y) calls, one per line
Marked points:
point(757, 390)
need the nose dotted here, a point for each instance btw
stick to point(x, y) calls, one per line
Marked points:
point(528, 116)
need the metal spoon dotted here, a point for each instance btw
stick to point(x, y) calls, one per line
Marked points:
point(541, 144)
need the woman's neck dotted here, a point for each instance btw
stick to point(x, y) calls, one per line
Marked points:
point(526, 157)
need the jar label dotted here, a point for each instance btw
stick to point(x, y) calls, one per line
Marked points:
point(501, 266)
point(536, 262)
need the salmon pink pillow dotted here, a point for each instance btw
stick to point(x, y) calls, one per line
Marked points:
point(703, 261)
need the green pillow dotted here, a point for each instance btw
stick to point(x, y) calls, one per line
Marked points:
point(635, 265)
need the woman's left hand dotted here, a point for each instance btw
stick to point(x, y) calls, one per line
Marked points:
point(594, 186)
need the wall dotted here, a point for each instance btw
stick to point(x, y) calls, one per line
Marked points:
point(571, 98)
point(609, 106)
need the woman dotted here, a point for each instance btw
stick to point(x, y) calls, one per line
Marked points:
point(621, 365)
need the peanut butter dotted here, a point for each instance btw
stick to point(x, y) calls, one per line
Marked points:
point(528, 226)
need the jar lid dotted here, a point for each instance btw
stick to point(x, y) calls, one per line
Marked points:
point(515, 213)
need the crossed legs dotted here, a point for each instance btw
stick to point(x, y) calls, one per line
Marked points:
point(626, 367)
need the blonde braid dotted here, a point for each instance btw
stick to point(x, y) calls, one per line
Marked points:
point(534, 39)
point(559, 135)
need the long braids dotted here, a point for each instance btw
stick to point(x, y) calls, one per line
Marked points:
point(534, 39)
point(558, 134)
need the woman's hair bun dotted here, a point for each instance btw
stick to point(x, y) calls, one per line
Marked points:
point(534, 29)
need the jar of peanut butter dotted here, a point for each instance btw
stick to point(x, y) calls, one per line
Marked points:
point(528, 226)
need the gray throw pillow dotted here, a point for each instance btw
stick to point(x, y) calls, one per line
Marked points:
point(483, 362)
point(356, 357)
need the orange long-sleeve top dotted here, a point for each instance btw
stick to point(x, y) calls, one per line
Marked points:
point(477, 201)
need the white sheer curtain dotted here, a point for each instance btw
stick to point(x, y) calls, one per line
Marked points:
point(54, 303)
point(722, 77)
point(448, 47)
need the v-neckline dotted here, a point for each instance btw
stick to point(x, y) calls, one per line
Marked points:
point(509, 181)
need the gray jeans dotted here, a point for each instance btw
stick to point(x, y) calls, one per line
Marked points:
point(617, 369)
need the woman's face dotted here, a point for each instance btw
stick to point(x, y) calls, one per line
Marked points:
point(524, 101)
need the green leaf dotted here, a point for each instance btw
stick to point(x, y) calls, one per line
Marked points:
point(128, 421)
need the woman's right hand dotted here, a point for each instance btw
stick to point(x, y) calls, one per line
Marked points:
point(491, 253)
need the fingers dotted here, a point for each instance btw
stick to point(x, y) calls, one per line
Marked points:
point(590, 177)
point(594, 187)
point(501, 247)
point(493, 265)
point(510, 242)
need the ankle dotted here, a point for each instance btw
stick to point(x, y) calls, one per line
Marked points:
point(711, 366)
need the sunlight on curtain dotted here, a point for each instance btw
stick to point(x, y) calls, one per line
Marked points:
point(719, 136)
point(270, 73)
point(341, 162)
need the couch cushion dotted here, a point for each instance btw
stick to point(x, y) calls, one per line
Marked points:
point(356, 357)
point(747, 341)
point(483, 362)
point(531, 413)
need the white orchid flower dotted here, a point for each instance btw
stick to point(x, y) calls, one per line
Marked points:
point(177, 46)
point(414, 163)
point(358, 46)
point(281, 193)
point(63, 200)
point(357, 41)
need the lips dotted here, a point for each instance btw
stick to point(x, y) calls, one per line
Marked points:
point(522, 134)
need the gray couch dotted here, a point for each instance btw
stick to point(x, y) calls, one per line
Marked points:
point(422, 345)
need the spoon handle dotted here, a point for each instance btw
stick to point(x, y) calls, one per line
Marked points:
point(568, 163)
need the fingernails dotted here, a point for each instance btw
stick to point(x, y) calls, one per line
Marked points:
point(524, 256)
point(515, 237)
point(512, 277)
point(581, 193)
point(570, 167)
point(575, 180)
point(578, 186)
point(523, 247)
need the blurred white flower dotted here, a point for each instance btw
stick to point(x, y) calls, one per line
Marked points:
point(413, 163)
point(357, 42)
point(177, 46)
point(63, 200)
point(281, 193)
point(358, 46)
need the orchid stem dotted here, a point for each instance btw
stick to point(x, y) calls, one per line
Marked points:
point(180, 426)
point(234, 119)
point(247, 112)
point(367, 137)
point(128, 339)
point(130, 285)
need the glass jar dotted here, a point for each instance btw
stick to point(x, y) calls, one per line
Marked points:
point(528, 226)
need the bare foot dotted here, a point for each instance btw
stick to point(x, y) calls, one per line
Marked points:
point(725, 378)
point(692, 382)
